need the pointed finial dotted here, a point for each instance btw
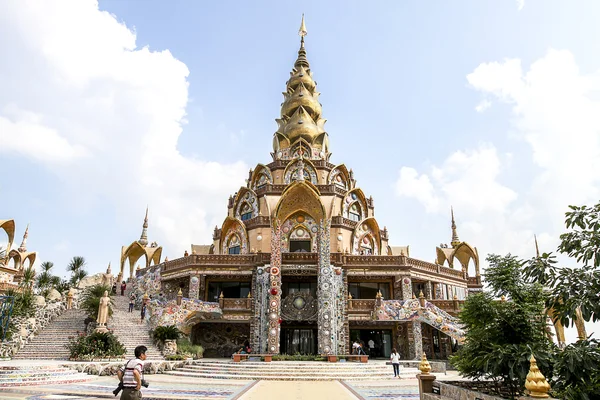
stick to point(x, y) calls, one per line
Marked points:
point(23, 247)
point(180, 293)
point(536, 382)
point(455, 240)
point(108, 270)
point(144, 237)
point(221, 295)
point(537, 249)
point(249, 295)
point(424, 366)
point(302, 31)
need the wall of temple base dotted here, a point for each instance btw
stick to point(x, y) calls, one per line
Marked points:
point(220, 339)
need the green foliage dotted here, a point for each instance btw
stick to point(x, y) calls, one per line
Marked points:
point(502, 335)
point(23, 305)
point(90, 300)
point(77, 268)
point(186, 348)
point(577, 368)
point(28, 279)
point(168, 332)
point(96, 345)
point(45, 281)
point(572, 288)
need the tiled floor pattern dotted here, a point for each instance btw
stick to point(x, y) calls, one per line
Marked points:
point(102, 388)
point(298, 390)
point(386, 392)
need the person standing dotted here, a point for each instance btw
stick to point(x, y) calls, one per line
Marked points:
point(131, 375)
point(395, 359)
point(143, 313)
point(123, 287)
point(131, 302)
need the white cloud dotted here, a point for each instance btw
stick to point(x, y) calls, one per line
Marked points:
point(520, 4)
point(79, 97)
point(483, 105)
point(555, 122)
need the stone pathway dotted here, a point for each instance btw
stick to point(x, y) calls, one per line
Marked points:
point(294, 390)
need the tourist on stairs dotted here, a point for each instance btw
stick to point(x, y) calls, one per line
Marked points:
point(395, 359)
point(131, 302)
point(123, 287)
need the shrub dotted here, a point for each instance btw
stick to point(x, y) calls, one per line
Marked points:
point(168, 332)
point(23, 305)
point(577, 369)
point(95, 345)
point(185, 347)
point(90, 300)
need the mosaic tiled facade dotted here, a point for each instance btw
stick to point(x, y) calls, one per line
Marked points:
point(303, 236)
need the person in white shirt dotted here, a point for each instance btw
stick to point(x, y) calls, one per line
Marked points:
point(355, 347)
point(132, 375)
point(395, 359)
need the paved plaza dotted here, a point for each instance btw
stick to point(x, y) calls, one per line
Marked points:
point(163, 386)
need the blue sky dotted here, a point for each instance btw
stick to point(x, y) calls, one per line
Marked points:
point(104, 108)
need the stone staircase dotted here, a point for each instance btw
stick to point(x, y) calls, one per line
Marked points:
point(290, 370)
point(39, 375)
point(50, 343)
point(126, 326)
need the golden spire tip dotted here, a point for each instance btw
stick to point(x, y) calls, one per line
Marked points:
point(302, 31)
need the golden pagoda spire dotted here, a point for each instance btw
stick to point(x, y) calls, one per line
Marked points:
point(455, 240)
point(23, 247)
point(302, 61)
point(536, 382)
point(144, 237)
point(537, 249)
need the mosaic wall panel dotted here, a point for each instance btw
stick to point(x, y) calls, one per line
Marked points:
point(247, 203)
point(300, 227)
point(236, 232)
point(416, 347)
point(407, 293)
point(260, 292)
point(194, 292)
point(274, 305)
point(150, 282)
point(293, 171)
point(263, 176)
point(163, 313)
point(220, 339)
point(332, 335)
point(364, 240)
point(171, 288)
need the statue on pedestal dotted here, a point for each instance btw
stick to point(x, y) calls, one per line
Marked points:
point(103, 313)
point(70, 299)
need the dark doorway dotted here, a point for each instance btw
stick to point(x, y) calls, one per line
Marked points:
point(298, 340)
point(377, 343)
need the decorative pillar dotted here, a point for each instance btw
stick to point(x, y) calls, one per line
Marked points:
point(332, 336)
point(194, 287)
point(274, 305)
point(407, 292)
point(415, 340)
point(259, 325)
point(428, 290)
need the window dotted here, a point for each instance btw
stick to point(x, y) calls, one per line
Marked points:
point(246, 216)
point(299, 287)
point(234, 249)
point(354, 212)
point(369, 290)
point(231, 290)
point(300, 246)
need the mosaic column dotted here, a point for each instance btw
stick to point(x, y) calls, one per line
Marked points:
point(428, 290)
point(415, 340)
point(274, 291)
point(259, 327)
point(407, 291)
point(332, 336)
point(194, 287)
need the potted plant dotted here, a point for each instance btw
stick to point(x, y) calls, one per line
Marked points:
point(166, 337)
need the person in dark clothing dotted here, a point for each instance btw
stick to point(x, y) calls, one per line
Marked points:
point(123, 287)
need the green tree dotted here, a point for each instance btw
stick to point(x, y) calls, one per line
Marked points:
point(77, 268)
point(28, 279)
point(570, 288)
point(502, 334)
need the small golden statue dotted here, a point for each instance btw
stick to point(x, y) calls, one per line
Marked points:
point(424, 366)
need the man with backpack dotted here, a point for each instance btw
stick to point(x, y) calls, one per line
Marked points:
point(131, 375)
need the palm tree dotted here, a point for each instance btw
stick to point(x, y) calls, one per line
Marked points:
point(28, 278)
point(45, 279)
point(77, 268)
point(77, 276)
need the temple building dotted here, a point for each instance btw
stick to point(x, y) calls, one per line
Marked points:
point(301, 264)
point(13, 262)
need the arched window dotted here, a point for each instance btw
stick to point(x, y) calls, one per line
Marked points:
point(339, 181)
point(366, 245)
point(300, 241)
point(234, 247)
point(354, 212)
point(262, 181)
point(246, 212)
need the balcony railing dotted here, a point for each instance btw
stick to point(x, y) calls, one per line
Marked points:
point(450, 306)
point(230, 304)
point(361, 305)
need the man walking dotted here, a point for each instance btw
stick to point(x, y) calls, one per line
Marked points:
point(132, 374)
point(131, 302)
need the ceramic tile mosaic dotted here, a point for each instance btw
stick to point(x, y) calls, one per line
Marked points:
point(391, 392)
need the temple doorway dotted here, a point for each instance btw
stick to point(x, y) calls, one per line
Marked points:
point(377, 343)
point(298, 340)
